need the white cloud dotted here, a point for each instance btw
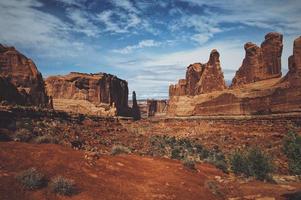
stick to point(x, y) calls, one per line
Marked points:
point(82, 23)
point(140, 45)
point(272, 14)
point(126, 5)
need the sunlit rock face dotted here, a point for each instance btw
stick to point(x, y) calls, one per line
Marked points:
point(23, 74)
point(98, 94)
point(201, 78)
point(257, 87)
point(260, 63)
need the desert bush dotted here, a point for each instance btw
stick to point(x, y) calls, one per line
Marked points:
point(189, 164)
point(31, 179)
point(239, 164)
point(218, 159)
point(119, 149)
point(292, 149)
point(63, 186)
point(46, 139)
point(252, 162)
point(177, 148)
point(22, 135)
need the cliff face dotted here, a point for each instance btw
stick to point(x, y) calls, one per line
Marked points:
point(256, 89)
point(156, 107)
point(201, 78)
point(22, 73)
point(100, 94)
point(260, 63)
point(293, 76)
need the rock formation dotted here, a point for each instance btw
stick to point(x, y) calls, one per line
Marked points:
point(156, 107)
point(256, 89)
point(23, 74)
point(201, 78)
point(293, 76)
point(135, 108)
point(260, 63)
point(9, 93)
point(97, 94)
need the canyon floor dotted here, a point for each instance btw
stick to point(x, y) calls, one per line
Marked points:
point(84, 155)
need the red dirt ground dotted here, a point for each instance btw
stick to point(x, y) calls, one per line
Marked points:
point(123, 177)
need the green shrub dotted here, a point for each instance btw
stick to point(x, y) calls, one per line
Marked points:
point(46, 139)
point(252, 162)
point(177, 148)
point(63, 186)
point(31, 179)
point(189, 164)
point(177, 153)
point(218, 159)
point(292, 149)
point(119, 149)
point(22, 135)
point(239, 164)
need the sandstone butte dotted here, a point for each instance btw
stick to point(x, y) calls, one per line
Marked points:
point(201, 78)
point(257, 87)
point(20, 81)
point(96, 94)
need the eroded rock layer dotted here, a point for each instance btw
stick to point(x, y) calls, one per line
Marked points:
point(156, 107)
point(98, 94)
point(19, 71)
point(260, 63)
point(256, 89)
point(201, 78)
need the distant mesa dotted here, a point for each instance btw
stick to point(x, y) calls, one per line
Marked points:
point(96, 94)
point(156, 107)
point(257, 87)
point(21, 82)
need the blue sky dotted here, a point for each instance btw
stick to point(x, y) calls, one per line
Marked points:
point(147, 42)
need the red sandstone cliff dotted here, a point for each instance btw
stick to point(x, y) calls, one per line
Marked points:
point(99, 94)
point(260, 63)
point(256, 89)
point(156, 107)
point(293, 77)
point(201, 78)
point(22, 73)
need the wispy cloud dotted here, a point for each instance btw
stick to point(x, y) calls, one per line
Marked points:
point(140, 45)
point(82, 22)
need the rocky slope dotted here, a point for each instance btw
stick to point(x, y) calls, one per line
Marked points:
point(201, 78)
point(24, 82)
point(96, 94)
point(257, 87)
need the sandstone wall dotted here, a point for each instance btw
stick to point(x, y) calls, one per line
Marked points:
point(257, 87)
point(156, 107)
point(98, 94)
point(260, 63)
point(24, 75)
point(201, 78)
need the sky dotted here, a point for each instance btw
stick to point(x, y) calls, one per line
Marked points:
point(149, 43)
